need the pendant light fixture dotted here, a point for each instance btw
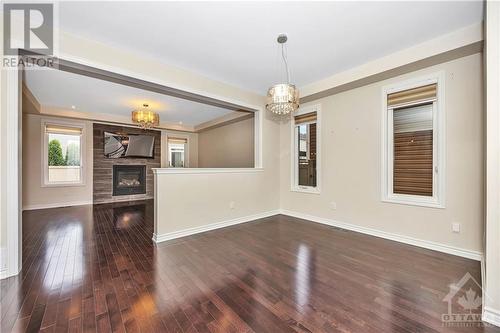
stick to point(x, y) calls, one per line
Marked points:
point(145, 118)
point(283, 98)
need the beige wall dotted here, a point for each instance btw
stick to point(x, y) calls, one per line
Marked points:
point(351, 162)
point(36, 196)
point(192, 146)
point(352, 116)
point(195, 200)
point(228, 146)
point(250, 185)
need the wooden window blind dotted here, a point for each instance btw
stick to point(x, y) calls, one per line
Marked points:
point(312, 141)
point(61, 129)
point(415, 95)
point(305, 118)
point(177, 140)
point(413, 150)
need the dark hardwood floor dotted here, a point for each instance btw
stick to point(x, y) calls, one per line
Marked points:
point(95, 268)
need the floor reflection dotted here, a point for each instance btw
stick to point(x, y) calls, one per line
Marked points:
point(96, 268)
point(127, 217)
point(63, 256)
point(304, 273)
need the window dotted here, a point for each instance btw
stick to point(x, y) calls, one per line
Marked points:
point(63, 158)
point(305, 160)
point(177, 151)
point(413, 139)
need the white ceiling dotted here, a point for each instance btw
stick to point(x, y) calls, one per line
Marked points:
point(234, 42)
point(62, 90)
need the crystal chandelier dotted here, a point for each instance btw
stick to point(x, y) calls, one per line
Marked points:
point(283, 98)
point(145, 117)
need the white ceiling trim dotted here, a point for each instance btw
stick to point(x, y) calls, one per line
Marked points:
point(76, 48)
point(230, 117)
point(226, 45)
point(90, 53)
point(116, 119)
point(455, 40)
point(459, 38)
point(107, 118)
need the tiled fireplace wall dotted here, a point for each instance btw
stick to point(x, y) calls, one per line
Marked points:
point(103, 167)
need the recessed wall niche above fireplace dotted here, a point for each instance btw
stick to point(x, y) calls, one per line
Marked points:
point(129, 179)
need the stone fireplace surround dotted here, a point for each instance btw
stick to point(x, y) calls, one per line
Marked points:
point(103, 167)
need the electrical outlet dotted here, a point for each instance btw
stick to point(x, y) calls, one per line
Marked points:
point(231, 205)
point(333, 205)
point(455, 227)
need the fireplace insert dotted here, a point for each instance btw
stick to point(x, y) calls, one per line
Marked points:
point(129, 179)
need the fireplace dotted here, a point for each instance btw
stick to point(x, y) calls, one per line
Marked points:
point(129, 179)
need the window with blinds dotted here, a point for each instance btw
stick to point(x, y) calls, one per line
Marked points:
point(306, 149)
point(413, 146)
point(177, 148)
point(413, 134)
point(63, 154)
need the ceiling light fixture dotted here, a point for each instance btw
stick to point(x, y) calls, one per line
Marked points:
point(145, 118)
point(283, 98)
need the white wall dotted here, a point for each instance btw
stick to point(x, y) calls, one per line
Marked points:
point(3, 215)
point(10, 162)
point(492, 278)
point(34, 194)
point(351, 162)
point(227, 146)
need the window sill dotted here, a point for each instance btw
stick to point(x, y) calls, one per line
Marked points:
point(160, 171)
point(63, 185)
point(433, 203)
point(307, 190)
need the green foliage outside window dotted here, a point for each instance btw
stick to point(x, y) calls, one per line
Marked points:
point(55, 154)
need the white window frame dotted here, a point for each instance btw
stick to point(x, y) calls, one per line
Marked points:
point(45, 151)
point(186, 149)
point(294, 174)
point(437, 200)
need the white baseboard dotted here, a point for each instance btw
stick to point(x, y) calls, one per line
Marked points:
point(5, 272)
point(212, 226)
point(491, 316)
point(475, 255)
point(3, 263)
point(57, 205)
